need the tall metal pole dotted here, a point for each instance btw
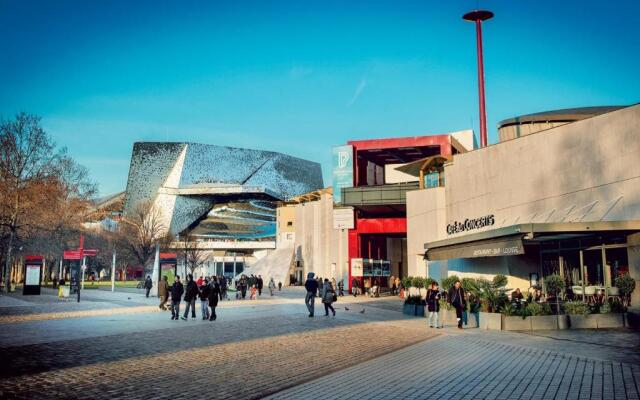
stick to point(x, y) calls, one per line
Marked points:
point(478, 16)
point(113, 271)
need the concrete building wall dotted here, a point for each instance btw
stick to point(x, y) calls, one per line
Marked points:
point(584, 171)
point(425, 214)
point(391, 175)
point(285, 225)
point(320, 248)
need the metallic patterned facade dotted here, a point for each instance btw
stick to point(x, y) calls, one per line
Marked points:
point(220, 192)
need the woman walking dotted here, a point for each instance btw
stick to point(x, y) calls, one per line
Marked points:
point(433, 305)
point(328, 297)
point(204, 298)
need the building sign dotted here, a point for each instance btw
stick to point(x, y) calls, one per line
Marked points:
point(342, 170)
point(343, 218)
point(470, 224)
point(485, 248)
point(357, 267)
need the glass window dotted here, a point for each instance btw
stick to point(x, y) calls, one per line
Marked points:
point(239, 267)
point(431, 180)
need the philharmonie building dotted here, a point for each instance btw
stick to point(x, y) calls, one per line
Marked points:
point(223, 198)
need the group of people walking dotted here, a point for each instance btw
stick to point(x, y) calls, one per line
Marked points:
point(207, 290)
point(323, 289)
point(455, 296)
point(254, 285)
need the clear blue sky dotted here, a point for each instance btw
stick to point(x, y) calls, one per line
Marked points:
point(300, 76)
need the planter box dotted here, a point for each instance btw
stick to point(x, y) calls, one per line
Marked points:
point(596, 321)
point(448, 317)
point(419, 311)
point(548, 322)
point(413, 310)
point(490, 321)
point(610, 320)
point(583, 321)
point(516, 324)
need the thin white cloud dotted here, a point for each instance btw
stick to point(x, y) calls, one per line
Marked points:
point(300, 71)
point(361, 86)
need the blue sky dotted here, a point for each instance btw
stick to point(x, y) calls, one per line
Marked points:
point(298, 76)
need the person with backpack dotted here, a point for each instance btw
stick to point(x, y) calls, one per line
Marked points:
point(328, 297)
point(177, 289)
point(190, 296)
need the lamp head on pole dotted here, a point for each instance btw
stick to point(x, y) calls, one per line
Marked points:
point(477, 15)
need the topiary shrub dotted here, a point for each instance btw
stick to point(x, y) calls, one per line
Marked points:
point(406, 282)
point(417, 282)
point(626, 285)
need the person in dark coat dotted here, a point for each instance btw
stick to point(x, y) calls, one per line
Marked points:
point(214, 294)
point(190, 296)
point(148, 284)
point(312, 287)
point(458, 300)
point(328, 296)
point(203, 294)
point(341, 288)
point(242, 286)
point(433, 305)
point(222, 283)
point(176, 294)
point(259, 284)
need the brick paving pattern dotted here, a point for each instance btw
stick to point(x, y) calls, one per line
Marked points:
point(459, 367)
point(243, 363)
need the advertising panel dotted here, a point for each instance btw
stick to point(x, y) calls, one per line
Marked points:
point(342, 170)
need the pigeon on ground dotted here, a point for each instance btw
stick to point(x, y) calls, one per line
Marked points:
point(362, 312)
point(346, 308)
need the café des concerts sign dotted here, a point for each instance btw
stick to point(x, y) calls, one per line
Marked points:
point(470, 224)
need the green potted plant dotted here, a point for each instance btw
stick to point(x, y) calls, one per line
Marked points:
point(414, 305)
point(579, 315)
point(626, 285)
point(555, 285)
point(492, 295)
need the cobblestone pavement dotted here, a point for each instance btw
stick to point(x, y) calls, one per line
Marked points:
point(270, 347)
point(235, 361)
point(469, 367)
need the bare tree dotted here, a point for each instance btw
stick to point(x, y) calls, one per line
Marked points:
point(192, 254)
point(39, 185)
point(141, 229)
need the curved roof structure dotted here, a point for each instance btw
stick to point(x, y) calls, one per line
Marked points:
point(184, 179)
point(564, 115)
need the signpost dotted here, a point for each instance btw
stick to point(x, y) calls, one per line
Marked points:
point(76, 269)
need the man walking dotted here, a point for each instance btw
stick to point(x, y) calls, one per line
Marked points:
point(148, 284)
point(354, 287)
point(259, 284)
point(312, 287)
point(176, 294)
point(190, 295)
point(163, 292)
point(457, 299)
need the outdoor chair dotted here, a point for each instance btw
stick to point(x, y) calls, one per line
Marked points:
point(590, 292)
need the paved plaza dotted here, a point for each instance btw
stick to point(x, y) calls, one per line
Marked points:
point(119, 345)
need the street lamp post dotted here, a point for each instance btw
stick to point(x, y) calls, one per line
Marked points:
point(478, 16)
